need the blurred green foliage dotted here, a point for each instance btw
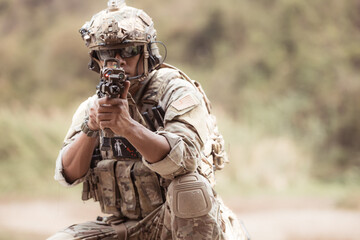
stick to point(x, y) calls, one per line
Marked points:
point(273, 68)
point(29, 146)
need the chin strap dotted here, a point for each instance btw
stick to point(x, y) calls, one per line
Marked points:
point(137, 82)
point(146, 60)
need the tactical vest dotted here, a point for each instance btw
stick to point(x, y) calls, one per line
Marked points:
point(120, 181)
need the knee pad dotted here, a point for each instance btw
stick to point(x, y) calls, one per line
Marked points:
point(189, 196)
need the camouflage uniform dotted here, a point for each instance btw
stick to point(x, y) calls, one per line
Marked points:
point(172, 198)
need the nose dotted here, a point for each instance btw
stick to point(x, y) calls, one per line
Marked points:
point(122, 60)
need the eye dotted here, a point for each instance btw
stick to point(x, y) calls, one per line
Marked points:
point(134, 51)
point(111, 53)
point(105, 54)
point(131, 51)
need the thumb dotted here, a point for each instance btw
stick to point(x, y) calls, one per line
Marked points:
point(126, 90)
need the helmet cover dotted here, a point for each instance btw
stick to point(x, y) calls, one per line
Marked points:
point(117, 26)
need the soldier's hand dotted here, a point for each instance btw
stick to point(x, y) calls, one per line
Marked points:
point(93, 123)
point(114, 113)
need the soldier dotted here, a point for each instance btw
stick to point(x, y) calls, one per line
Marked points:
point(161, 185)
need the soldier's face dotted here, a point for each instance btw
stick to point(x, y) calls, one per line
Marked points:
point(128, 56)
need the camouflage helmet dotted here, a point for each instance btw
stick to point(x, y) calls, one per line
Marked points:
point(118, 26)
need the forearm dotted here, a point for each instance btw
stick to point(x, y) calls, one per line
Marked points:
point(77, 157)
point(153, 147)
point(113, 113)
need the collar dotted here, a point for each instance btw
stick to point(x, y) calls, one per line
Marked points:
point(144, 84)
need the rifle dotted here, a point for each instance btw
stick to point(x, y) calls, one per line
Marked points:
point(112, 79)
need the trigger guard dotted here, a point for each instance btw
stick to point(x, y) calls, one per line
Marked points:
point(190, 196)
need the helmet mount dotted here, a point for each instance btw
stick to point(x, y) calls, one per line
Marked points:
point(113, 5)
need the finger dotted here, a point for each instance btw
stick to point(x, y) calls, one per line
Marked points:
point(96, 103)
point(92, 118)
point(92, 113)
point(104, 117)
point(103, 101)
point(126, 90)
point(105, 124)
point(108, 109)
point(93, 125)
point(107, 102)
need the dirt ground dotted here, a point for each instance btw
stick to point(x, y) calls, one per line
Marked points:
point(268, 218)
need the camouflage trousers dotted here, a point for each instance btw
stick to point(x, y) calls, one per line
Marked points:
point(172, 220)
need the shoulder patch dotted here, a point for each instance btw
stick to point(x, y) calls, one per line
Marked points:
point(184, 102)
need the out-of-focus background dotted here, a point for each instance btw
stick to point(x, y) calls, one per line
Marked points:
point(284, 80)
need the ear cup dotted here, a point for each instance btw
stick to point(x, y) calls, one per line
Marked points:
point(154, 61)
point(93, 65)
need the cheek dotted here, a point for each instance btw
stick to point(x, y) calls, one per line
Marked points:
point(133, 63)
point(135, 60)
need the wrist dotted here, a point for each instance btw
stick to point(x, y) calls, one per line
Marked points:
point(132, 127)
point(91, 126)
point(87, 130)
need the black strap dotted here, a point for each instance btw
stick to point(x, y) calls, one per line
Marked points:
point(161, 111)
point(149, 122)
point(158, 116)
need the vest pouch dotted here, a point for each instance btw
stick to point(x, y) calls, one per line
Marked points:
point(148, 188)
point(106, 190)
point(86, 191)
point(90, 187)
point(129, 206)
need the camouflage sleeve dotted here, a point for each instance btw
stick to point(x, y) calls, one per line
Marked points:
point(74, 130)
point(185, 129)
